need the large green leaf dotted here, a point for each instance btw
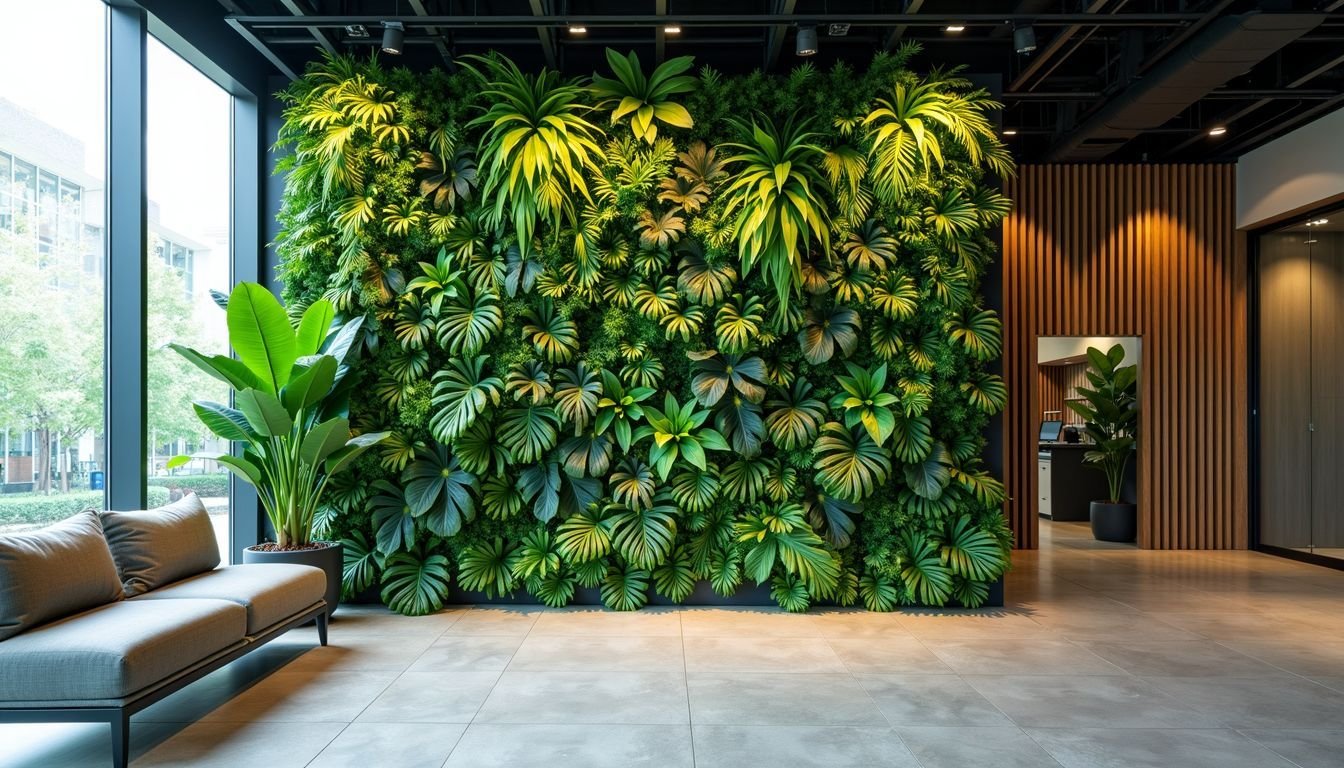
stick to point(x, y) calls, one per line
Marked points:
point(827, 332)
point(644, 537)
point(529, 431)
point(440, 491)
point(323, 440)
point(850, 464)
point(415, 584)
point(393, 518)
point(264, 413)
point(972, 553)
point(461, 392)
point(309, 387)
point(261, 336)
point(313, 327)
point(225, 422)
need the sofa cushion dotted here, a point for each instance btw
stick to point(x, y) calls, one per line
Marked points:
point(116, 650)
point(159, 546)
point(271, 592)
point(53, 572)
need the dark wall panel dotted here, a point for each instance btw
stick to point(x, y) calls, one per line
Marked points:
point(1148, 251)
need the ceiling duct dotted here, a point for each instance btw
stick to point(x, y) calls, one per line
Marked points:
point(1225, 49)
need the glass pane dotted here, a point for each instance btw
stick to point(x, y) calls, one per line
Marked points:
point(1324, 240)
point(52, 134)
point(189, 149)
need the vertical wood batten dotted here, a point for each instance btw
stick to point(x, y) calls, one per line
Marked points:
point(1149, 251)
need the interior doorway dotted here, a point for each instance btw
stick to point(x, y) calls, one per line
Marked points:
point(1069, 480)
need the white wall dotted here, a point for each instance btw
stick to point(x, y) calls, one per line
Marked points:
point(1052, 348)
point(1292, 174)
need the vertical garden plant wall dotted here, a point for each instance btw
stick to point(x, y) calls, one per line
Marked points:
point(657, 326)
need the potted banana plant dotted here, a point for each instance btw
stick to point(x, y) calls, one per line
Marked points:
point(1110, 409)
point(290, 417)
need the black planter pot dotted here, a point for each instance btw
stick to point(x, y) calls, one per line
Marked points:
point(1114, 522)
point(330, 558)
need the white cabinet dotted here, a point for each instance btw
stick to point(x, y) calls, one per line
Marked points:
point(1043, 484)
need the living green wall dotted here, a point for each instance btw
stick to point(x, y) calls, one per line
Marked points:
point(644, 329)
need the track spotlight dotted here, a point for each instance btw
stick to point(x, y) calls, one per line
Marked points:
point(1024, 39)
point(1218, 130)
point(394, 34)
point(807, 41)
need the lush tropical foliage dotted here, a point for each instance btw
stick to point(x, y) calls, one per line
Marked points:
point(638, 331)
point(1111, 410)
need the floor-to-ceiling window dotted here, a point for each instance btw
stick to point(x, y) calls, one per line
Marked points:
point(1301, 409)
point(188, 119)
point(52, 151)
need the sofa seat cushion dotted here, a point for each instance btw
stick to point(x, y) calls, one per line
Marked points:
point(271, 592)
point(116, 650)
point(156, 547)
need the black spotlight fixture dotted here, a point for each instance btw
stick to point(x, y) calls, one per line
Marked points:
point(394, 35)
point(806, 44)
point(1024, 39)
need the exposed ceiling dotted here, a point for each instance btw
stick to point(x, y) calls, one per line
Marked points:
point(1114, 80)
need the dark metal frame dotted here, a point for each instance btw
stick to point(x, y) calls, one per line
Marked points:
point(1253, 506)
point(119, 718)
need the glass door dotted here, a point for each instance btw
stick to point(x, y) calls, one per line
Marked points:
point(1301, 410)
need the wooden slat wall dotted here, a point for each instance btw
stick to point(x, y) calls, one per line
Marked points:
point(1149, 251)
point(1055, 384)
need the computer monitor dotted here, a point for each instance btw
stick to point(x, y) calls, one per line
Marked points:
point(1050, 431)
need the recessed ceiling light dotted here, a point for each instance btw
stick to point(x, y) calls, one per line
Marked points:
point(672, 29)
point(1322, 221)
point(575, 29)
point(1218, 130)
point(1009, 131)
point(955, 28)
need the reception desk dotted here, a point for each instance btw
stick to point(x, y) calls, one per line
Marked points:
point(1067, 487)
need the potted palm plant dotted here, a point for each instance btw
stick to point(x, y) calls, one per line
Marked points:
point(1111, 411)
point(289, 415)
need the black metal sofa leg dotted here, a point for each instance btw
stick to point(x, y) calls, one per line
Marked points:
point(121, 739)
point(322, 628)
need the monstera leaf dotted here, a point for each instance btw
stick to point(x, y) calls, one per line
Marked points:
point(440, 491)
point(695, 490)
point(922, 569)
point(674, 578)
point(586, 454)
point(360, 564)
point(980, 334)
point(794, 416)
point(461, 392)
point(585, 535)
point(529, 431)
point(912, 438)
point(739, 420)
point(827, 332)
point(554, 336)
point(538, 556)
point(480, 449)
point(744, 478)
point(447, 179)
point(577, 391)
point(833, 516)
point(416, 583)
point(644, 537)
point(632, 484)
point(738, 323)
point(529, 380)
point(851, 465)
point(780, 535)
point(972, 553)
point(393, 518)
point(700, 281)
point(929, 477)
point(986, 391)
point(870, 247)
point(625, 588)
point(895, 296)
point(465, 325)
point(716, 375)
point(487, 567)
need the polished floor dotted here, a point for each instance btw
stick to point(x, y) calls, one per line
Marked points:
point(1105, 656)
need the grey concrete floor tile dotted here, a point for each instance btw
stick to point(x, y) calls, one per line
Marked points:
point(959, 747)
point(366, 652)
point(1310, 655)
point(496, 620)
point(858, 624)
point(404, 745)
point(1306, 748)
point(479, 653)
point(1098, 625)
point(1086, 701)
point(75, 745)
point(588, 621)
point(741, 698)
point(1159, 748)
point(986, 624)
point(447, 696)
point(930, 700)
point(795, 655)
point(888, 655)
point(332, 697)
point(548, 697)
point(782, 746)
point(1021, 657)
point(573, 746)
point(599, 653)
point(229, 745)
point(1287, 702)
point(754, 622)
point(1199, 658)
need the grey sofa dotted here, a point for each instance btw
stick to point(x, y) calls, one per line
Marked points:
point(104, 614)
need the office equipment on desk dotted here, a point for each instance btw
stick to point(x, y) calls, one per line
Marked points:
point(1050, 431)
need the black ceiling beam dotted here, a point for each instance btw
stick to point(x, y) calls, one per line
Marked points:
point(729, 20)
point(1051, 48)
point(660, 33)
point(1225, 94)
point(912, 7)
point(419, 7)
point(300, 9)
point(544, 34)
point(775, 36)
